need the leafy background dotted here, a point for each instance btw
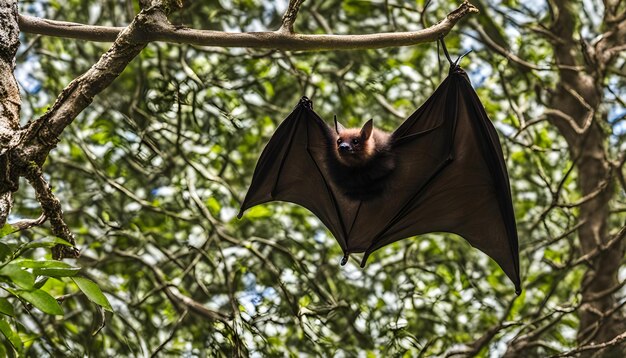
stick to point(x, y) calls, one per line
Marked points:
point(151, 176)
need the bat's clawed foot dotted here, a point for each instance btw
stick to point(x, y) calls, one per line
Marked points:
point(345, 258)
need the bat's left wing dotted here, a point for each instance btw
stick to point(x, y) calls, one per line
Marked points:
point(293, 168)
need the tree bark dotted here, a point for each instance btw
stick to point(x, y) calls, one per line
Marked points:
point(9, 101)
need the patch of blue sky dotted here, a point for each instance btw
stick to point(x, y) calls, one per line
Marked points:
point(320, 236)
point(478, 74)
point(272, 7)
point(505, 129)
point(619, 129)
point(24, 76)
point(253, 294)
point(616, 113)
point(37, 8)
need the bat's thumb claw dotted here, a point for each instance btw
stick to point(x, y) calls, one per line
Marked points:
point(344, 260)
point(518, 290)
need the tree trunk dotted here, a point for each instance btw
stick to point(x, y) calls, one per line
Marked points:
point(577, 101)
point(9, 102)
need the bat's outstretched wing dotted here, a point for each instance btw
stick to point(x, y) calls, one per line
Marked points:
point(450, 177)
point(293, 168)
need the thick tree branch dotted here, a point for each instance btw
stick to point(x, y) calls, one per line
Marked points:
point(36, 25)
point(281, 40)
point(41, 135)
point(25, 150)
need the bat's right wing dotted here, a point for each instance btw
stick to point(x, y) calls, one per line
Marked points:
point(293, 168)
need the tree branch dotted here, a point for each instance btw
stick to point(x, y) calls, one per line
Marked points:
point(52, 209)
point(290, 16)
point(42, 134)
point(280, 40)
point(28, 223)
point(615, 341)
point(36, 25)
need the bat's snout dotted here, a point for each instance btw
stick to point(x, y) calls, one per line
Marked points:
point(344, 147)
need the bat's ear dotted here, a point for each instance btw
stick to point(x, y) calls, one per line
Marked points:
point(338, 127)
point(367, 129)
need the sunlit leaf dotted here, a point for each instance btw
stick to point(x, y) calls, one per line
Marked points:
point(20, 277)
point(6, 307)
point(42, 300)
point(50, 268)
point(11, 335)
point(93, 292)
point(6, 230)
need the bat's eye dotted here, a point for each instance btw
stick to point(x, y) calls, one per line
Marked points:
point(339, 141)
point(355, 141)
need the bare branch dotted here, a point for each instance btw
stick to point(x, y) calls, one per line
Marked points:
point(617, 238)
point(290, 16)
point(36, 25)
point(41, 135)
point(52, 209)
point(28, 223)
point(508, 54)
point(281, 40)
point(386, 105)
point(555, 113)
point(591, 347)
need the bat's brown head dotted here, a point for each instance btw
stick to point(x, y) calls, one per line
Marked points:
point(355, 146)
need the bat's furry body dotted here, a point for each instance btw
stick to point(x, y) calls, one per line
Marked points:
point(360, 160)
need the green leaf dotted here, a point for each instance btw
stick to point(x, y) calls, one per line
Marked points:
point(21, 278)
point(28, 263)
point(48, 242)
point(50, 268)
point(57, 272)
point(258, 212)
point(5, 251)
point(6, 230)
point(6, 307)
point(93, 292)
point(42, 300)
point(11, 335)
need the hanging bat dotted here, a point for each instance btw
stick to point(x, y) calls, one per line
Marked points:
point(442, 170)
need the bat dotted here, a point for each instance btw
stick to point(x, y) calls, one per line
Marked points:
point(442, 170)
